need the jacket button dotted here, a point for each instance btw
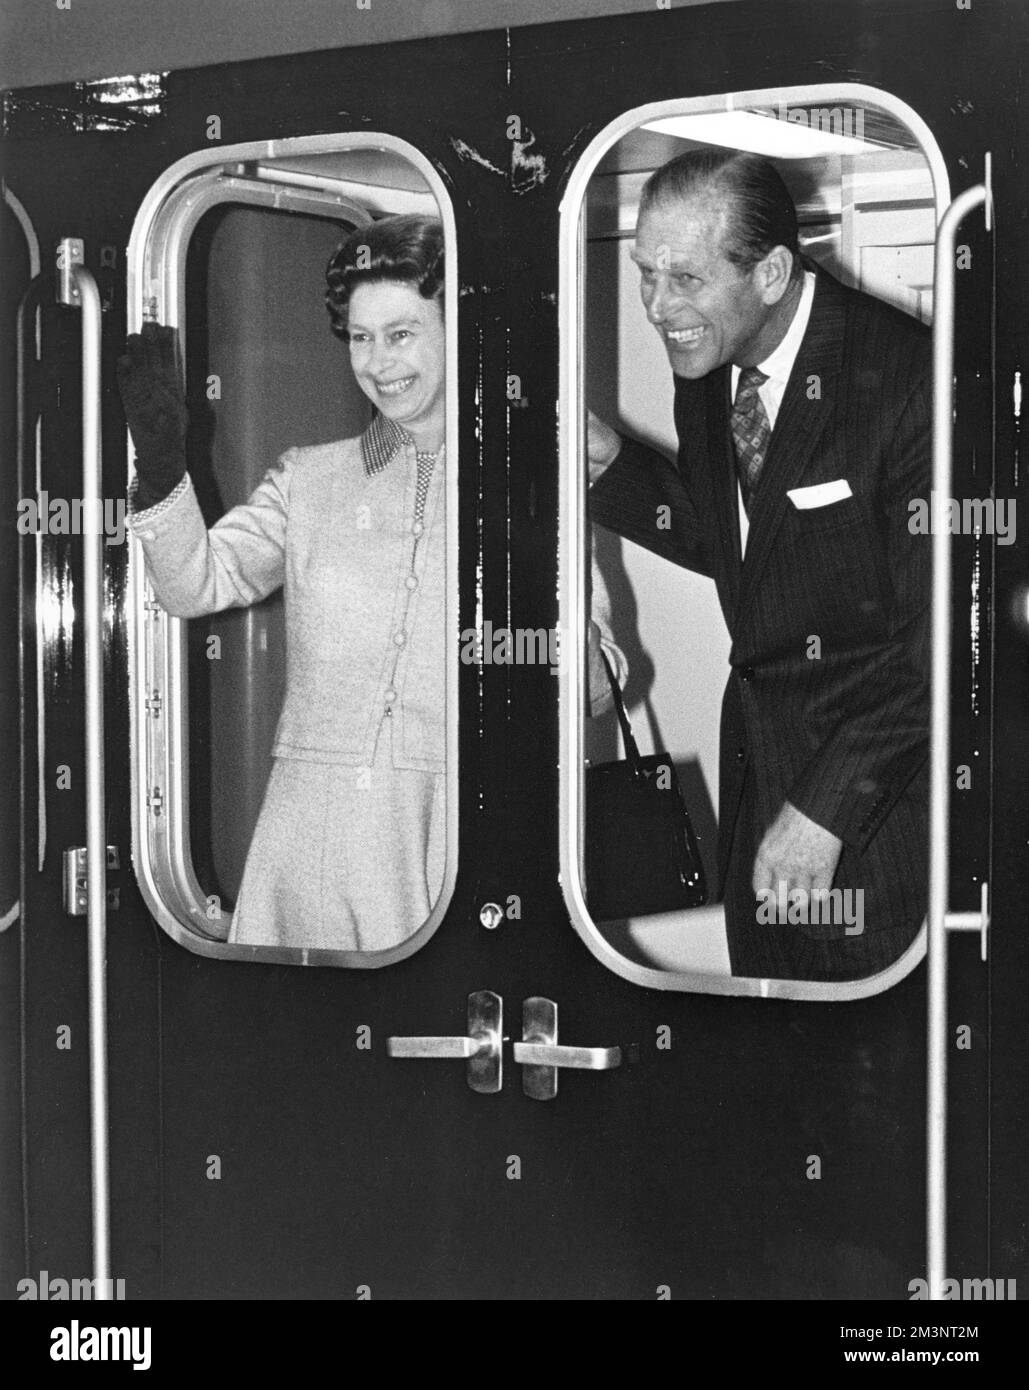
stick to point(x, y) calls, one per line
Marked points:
point(746, 673)
point(399, 638)
point(741, 753)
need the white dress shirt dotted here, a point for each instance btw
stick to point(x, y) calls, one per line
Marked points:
point(776, 367)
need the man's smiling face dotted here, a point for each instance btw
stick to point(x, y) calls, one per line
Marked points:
point(707, 310)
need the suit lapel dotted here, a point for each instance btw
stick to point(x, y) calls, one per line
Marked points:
point(799, 425)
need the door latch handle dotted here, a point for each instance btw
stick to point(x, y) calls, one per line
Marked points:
point(538, 1054)
point(439, 1047)
point(541, 1056)
point(480, 1048)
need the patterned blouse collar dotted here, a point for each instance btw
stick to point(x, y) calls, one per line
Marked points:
point(381, 441)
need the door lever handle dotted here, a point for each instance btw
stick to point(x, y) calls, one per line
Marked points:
point(480, 1048)
point(541, 1055)
point(436, 1047)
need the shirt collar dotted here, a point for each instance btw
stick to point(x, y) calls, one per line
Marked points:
point(381, 442)
point(779, 363)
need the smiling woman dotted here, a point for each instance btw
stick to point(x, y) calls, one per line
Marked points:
point(385, 299)
point(349, 850)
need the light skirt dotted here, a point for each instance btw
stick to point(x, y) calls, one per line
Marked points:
point(343, 858)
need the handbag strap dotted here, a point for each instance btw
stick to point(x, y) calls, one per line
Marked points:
point(632, 753)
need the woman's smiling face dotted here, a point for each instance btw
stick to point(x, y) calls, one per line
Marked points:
point(397, 346)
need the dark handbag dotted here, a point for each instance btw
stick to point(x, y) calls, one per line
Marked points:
point(641, 852)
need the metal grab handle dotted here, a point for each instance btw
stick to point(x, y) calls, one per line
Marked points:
point(445, 1048)
point(481, 1048)
point(541, 1056)
point(939, 764)
point(77, 288)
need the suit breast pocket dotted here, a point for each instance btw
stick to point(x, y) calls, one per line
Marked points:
point(838, 585)
point(832, 517)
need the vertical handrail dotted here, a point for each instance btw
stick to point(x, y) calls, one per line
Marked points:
point(78, 288)
point(939, 785)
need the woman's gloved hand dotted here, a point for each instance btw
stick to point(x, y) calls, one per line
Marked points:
point(155, 409)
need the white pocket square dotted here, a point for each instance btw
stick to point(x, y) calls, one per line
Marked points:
point(819, 495)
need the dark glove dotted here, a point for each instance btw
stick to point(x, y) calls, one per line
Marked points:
point(155, 409)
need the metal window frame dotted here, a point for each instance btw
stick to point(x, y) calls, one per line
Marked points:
point(157, 655)
point(940, 921)
point(572, 533)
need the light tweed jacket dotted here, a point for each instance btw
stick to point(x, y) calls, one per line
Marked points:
point(339, 539)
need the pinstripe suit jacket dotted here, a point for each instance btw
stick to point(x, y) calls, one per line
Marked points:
point(837, 726)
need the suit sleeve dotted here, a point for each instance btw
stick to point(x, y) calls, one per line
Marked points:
point(642, 496)
point(239, 561)
point(883, 739)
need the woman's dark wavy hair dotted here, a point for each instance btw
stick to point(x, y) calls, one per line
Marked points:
point(760, 211)
point(408, 249)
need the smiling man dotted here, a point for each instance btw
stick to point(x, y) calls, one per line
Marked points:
point(803, 415)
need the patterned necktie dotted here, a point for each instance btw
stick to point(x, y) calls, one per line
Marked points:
point(750, 431)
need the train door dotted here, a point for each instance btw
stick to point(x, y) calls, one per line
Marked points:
point(510, 1103)
point(857, 221)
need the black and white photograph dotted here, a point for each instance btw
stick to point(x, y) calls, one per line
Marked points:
point(514, 667)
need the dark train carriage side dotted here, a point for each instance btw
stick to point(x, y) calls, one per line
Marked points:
point(263, 1142)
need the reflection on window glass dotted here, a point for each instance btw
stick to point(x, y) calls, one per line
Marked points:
point(305, 541)
point(758, 295)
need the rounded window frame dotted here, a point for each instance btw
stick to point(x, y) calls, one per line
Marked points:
point(572, 528)
point(157, 654)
